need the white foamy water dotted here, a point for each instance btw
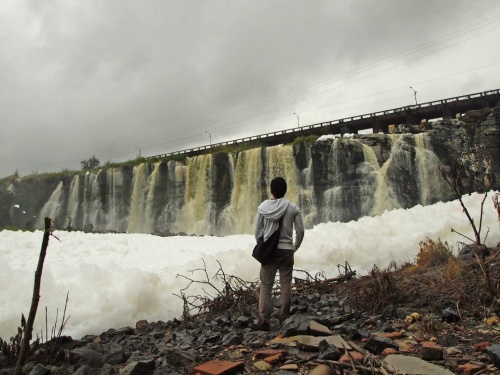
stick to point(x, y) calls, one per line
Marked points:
point(116, 279)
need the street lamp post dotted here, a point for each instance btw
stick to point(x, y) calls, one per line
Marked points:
point(415, 93)
point(209, 137)
point(298, 121)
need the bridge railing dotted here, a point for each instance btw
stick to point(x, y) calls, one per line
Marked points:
point(344, 121)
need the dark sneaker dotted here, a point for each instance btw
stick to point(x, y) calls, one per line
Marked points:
point(260, 326)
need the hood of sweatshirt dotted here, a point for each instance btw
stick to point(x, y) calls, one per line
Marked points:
point(273, 209)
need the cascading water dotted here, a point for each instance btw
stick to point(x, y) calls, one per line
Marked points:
point(92, 210)
point(280, 162)
point(219, 193)
point(433, 187)
point(52, 208)
point(239, 216)
point(306, 198)
point(73, 203)
point(138, 221)
point(385, 198)
point(198, 214)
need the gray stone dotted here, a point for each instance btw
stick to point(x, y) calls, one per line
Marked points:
point(40, 370)
point(83, 370)
point(116, 358)
point(107, 369)
point(243, 321)
point(494, 352)
point(413, 366)
point(232, 338)
point(139, 368)
point(318, 329)
point(377, 344)
point(84, 356)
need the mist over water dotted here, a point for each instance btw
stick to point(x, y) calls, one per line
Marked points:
point(115, 280)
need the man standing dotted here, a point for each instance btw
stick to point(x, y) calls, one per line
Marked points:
point(269, 214)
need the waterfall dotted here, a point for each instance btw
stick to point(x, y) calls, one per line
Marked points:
point(307, 199)
point(52, 208)
point(198, 216)
point(153, 185)
point(385, 198)
point(368, 172)
point(115, 215)
point(139, 222)
point(92, 201)
point(73, 203)
point(433, 187)
point(280, 162)
point(239, 216)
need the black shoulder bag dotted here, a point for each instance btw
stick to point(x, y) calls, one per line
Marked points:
point(265, 251)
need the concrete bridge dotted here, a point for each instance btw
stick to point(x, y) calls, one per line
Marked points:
point(378, 121)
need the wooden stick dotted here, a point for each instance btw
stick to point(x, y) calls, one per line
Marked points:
point(34, 301)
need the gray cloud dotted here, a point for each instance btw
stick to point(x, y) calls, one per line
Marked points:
point(109, 77)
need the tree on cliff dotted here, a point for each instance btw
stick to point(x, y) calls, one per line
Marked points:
point(90, 163)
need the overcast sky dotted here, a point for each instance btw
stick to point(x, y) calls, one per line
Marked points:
point(114, 78)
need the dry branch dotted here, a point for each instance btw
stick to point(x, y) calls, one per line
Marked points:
point(36, 297)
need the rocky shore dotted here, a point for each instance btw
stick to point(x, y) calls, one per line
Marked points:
point(323, 336)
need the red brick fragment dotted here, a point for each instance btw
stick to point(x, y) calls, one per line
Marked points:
point(268, 353)
point(274, 358)
point(393, 335)
point(357, 357)
point(218, 368)
point(481, 346)
point(388, 351)
point(431, 351)
point(469, 368)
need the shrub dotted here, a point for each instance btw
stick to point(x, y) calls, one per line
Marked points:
point(434, 253)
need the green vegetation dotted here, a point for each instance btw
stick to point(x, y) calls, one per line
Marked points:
point(90, 163)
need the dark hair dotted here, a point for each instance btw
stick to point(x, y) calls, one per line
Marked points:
point(278, 187)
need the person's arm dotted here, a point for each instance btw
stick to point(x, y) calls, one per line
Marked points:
point(259, 227)
point(299, 231)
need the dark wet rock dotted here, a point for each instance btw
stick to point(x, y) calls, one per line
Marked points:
point(83, 356)
point(377, 344)
point(223, 321)
point(116, 358)
point(329, 352)
point(389, 312)
point(232, 338)
point(108, 369)
point(243, 321)
point(40, 370)
point(494, 353)
point(83, 370)
point(139, 368)
point(179, 358)
point(350, 331)
point(450, 315)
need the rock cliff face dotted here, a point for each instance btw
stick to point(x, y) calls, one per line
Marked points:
point(332, 179)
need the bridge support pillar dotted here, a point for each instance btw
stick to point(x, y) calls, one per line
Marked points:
point(446, 112)
point(378, 127)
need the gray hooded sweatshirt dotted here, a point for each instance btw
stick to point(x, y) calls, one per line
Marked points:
point(269, 214)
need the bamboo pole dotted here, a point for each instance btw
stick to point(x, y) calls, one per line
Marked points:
point(34, 301)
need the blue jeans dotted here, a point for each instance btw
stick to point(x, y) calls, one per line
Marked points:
point(283, 262)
